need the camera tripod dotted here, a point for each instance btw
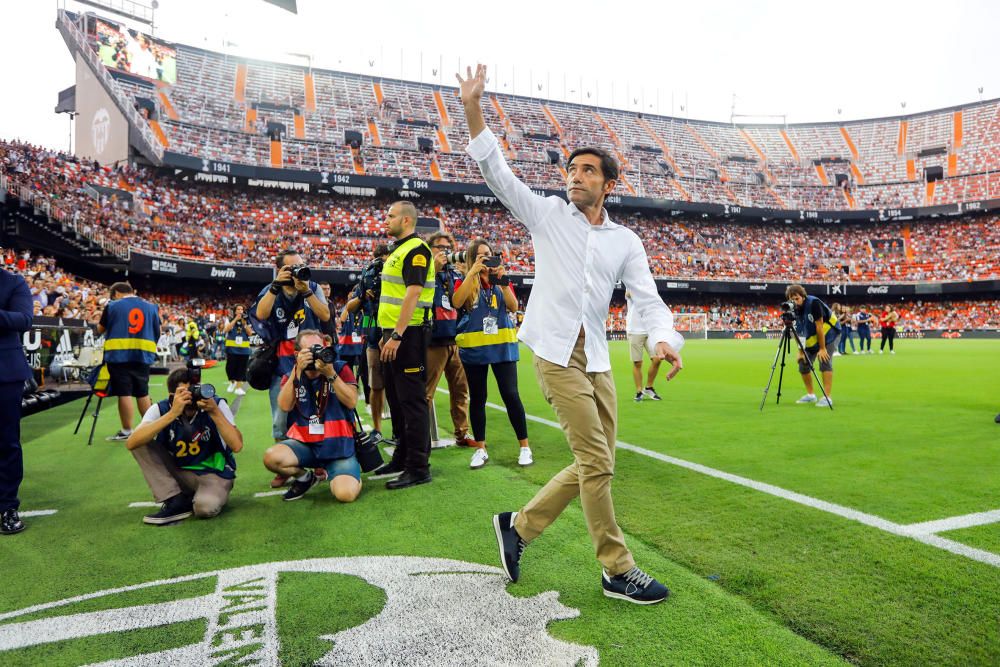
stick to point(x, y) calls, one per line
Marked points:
point(784, 345)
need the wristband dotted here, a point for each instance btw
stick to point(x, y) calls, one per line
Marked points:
point(274, 289)
point(306, 295)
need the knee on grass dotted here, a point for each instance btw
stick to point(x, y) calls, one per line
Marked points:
point(345, 488)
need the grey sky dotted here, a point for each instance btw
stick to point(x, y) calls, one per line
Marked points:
point(803, 59)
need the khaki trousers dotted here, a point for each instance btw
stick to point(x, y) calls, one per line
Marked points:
point(166, 480)
point(586, 404)
point(444, 359)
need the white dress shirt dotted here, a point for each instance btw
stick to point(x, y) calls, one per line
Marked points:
point(577, 266)
point(633, 324)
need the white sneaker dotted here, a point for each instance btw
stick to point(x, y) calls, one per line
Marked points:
point(808, 398)
point(524, 458)
point(880, 351)
point(231, 387)
point(892, 351)
point(824, 402)
point(837, 354)
point(479, 458)
point(240, 391)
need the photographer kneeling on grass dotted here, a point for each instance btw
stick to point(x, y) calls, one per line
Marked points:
point(817, 325)
point(184, 447)
point(318, 395)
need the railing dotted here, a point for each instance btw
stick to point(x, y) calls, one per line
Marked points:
point(153, 148)
point(69, 223)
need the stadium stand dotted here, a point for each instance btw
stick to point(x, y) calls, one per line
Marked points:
point(220, 108)
point(199, 221)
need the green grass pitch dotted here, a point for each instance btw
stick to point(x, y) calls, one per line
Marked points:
point(757, 579)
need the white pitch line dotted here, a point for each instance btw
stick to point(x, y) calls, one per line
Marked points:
point(31, 513)
point(144, 503)
point(264, 494)
point(955, 522)
point(901, 530)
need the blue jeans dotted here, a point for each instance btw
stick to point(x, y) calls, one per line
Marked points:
point(846, 335)
point(279, 418)
point(864, 334)
point(334, 467)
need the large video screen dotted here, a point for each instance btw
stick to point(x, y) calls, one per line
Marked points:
point(134, 52)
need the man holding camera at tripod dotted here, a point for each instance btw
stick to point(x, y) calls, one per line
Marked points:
point(290, 304)
point(184, 447)
point(817, 325)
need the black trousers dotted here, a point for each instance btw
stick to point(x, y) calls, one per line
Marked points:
point(888, 334)
point(506, 375)
point(236, 367)
point(406, 392)
point(11, 462)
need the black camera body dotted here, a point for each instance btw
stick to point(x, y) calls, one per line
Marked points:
point(201, 392)
point(371, 281)
point(788, 312)
point(492, 262)
point(301, 272)
point(324, 353)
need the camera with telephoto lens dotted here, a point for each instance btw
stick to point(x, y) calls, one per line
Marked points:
point(322, 353)
point(456, 257)
point(201, 392)
point(198, 390)
point(788, 312)
point(371, 281)
point(301, 272)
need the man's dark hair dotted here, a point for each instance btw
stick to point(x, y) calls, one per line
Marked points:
point(381, 250)
point(179, 376)
point(795, 289)
point(279, 259)
point(609, 165)
point(121, 288)
point(436, 236)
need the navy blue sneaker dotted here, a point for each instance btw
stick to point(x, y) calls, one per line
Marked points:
point(510, 543)
point(635, 586)
point(299, 488)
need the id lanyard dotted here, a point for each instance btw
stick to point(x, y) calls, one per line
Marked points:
point(490, 321)
point(320, 398)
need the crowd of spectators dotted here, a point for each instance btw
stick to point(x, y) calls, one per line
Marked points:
point(59, 294)
point(733, 315)
point(203, 221)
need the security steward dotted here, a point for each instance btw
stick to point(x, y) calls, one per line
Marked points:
point(132, 327)
point(404, 317)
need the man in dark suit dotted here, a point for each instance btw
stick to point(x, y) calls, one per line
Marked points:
point(15, 319)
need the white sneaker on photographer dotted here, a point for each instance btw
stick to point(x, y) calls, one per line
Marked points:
point(231, 387)
point(240, 391)
point(808, 398)
point(479, 458)
point(824, 402)
point(524, 458)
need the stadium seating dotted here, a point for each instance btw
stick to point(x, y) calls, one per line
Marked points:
point(220, 106)
point(58, 293)
point(225, 224)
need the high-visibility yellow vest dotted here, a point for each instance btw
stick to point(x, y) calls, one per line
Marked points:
point(390, 305)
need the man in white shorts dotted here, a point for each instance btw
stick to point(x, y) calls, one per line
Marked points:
point(636, 332)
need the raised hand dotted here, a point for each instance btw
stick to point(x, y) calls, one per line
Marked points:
point(472, 87)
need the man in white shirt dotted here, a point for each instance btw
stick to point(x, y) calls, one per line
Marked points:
point(637, 337)
point(580, 255)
